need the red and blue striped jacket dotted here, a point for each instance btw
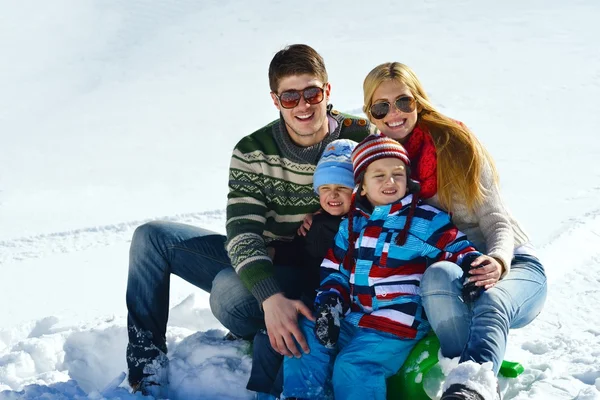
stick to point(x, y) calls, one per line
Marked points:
point(382, 289)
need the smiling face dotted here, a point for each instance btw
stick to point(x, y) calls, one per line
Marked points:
point(396, 124)
point(384, 181)
point(306, 124)
point(335, 199)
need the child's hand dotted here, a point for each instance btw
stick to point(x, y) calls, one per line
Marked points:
point(327, 325)
point(470, 292)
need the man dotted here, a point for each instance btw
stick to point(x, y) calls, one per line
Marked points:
point(270, 193)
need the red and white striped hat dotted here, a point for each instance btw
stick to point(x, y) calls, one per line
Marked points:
point(375, 147)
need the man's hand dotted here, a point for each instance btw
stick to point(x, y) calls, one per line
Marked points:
point(271, 253)
point(485, 271)
point(281, 319)
point(306, 223)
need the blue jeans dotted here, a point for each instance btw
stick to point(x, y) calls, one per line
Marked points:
point(159, 249)
point(356, 369)
point(479, 331)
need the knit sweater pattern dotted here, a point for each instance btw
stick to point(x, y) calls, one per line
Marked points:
point(270, 192)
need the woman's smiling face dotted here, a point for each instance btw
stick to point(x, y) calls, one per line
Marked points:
point(396, 124)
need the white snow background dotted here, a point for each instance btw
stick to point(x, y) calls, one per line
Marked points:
point(117, 112)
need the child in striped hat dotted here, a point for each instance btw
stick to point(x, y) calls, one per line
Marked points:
point(369, 312)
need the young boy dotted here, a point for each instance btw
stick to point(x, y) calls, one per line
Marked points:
point(369, 311)
point(333, 181)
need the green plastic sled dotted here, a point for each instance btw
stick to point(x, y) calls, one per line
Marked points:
point(408, 382)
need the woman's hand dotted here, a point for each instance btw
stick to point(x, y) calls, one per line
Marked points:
point(485, 271)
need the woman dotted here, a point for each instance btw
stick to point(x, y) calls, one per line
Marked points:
point(506, 287)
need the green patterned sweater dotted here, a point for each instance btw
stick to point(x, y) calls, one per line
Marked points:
point(270, 192)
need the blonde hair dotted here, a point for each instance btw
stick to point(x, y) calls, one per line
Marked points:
point(460, 156)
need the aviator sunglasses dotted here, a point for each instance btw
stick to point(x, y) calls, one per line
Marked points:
point(291, 98)
point(405, 104)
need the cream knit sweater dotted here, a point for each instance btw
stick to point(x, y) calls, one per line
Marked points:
point(492, 228)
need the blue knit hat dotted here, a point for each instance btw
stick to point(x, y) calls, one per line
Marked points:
point(335, 165)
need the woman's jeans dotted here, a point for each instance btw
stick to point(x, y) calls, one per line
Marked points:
point(479, 331)
point(159, 249)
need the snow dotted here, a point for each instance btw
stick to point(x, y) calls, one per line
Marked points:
point(474, 376)
point(116, 112)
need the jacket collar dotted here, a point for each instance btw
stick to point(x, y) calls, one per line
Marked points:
point(367, 210)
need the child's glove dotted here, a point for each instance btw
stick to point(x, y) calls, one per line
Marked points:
point(470, 292)
point(328, 315)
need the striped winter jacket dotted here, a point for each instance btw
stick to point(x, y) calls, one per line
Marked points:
point(382, 289)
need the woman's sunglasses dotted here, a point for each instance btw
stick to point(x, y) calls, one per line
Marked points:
point(405, 104)
point(291, 98)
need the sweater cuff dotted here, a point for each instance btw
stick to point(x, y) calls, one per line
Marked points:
point(265, 288)
point(504, 261)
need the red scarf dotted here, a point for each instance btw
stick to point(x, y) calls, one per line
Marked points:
point(423, 159)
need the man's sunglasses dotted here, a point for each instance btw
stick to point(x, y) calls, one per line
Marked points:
point(405, 104)
point(291, 98)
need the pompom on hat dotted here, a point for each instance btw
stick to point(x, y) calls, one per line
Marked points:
point(335, 165)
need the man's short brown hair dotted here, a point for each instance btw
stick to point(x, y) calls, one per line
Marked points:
point(296, 59)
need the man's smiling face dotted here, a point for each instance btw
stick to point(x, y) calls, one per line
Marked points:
point(306, 123)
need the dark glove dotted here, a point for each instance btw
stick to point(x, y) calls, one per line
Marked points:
point(328, 316)
point(470, 292)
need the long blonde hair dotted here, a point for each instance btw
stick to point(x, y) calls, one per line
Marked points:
point(460, 156)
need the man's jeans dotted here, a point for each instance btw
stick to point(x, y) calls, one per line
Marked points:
point(479, 331)
point(159, 249)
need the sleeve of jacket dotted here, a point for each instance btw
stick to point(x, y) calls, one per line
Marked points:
point(320, 236)
point(452, 244)
point(246, 218)
point(289, 253)
point(494, 221)
point(335, 278)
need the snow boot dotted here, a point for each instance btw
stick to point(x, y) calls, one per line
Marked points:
point(459, 391)
point(471, 381)
point(156, 379)
point(231, 336)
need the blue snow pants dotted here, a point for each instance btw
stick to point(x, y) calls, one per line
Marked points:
point(356, 369)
